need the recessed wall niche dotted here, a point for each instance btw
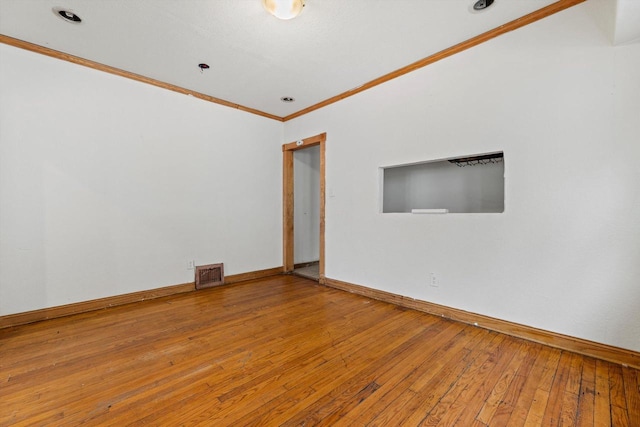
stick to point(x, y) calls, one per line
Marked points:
point(469, 184)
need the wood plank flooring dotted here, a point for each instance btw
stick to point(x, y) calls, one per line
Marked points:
point(286, 351)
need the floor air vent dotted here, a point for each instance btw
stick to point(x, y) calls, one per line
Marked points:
point(210, 275)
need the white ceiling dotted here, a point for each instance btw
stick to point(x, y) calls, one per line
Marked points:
point(332, 47)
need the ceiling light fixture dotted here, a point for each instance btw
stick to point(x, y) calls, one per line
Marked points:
point(283, 9)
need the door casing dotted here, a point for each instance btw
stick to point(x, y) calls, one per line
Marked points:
point(288, 199)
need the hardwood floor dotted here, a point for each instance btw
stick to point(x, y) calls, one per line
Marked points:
point(287, 351)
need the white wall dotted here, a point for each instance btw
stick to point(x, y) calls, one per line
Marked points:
point(306, 205)
point(564, 106)
point(110, 186)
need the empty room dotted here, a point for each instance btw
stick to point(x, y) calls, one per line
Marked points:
point(320, 212)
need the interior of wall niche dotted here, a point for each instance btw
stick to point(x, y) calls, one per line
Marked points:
point(466, 184)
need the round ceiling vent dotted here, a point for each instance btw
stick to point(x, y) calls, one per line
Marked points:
point(482, 4)
point(67, 15)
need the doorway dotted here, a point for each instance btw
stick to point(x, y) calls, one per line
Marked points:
point(300, 249)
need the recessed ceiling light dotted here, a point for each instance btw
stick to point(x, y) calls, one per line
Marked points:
point(287, 99)
point(67, 15)
point(482, 4)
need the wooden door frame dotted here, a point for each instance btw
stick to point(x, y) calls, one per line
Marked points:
point(287, 199)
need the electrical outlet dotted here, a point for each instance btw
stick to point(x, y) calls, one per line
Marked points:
point(191, 265)
point(433, 280)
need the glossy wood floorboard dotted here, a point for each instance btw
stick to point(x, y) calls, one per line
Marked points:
point(286, 351)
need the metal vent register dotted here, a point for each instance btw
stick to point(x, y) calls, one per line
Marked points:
point(208, 276)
